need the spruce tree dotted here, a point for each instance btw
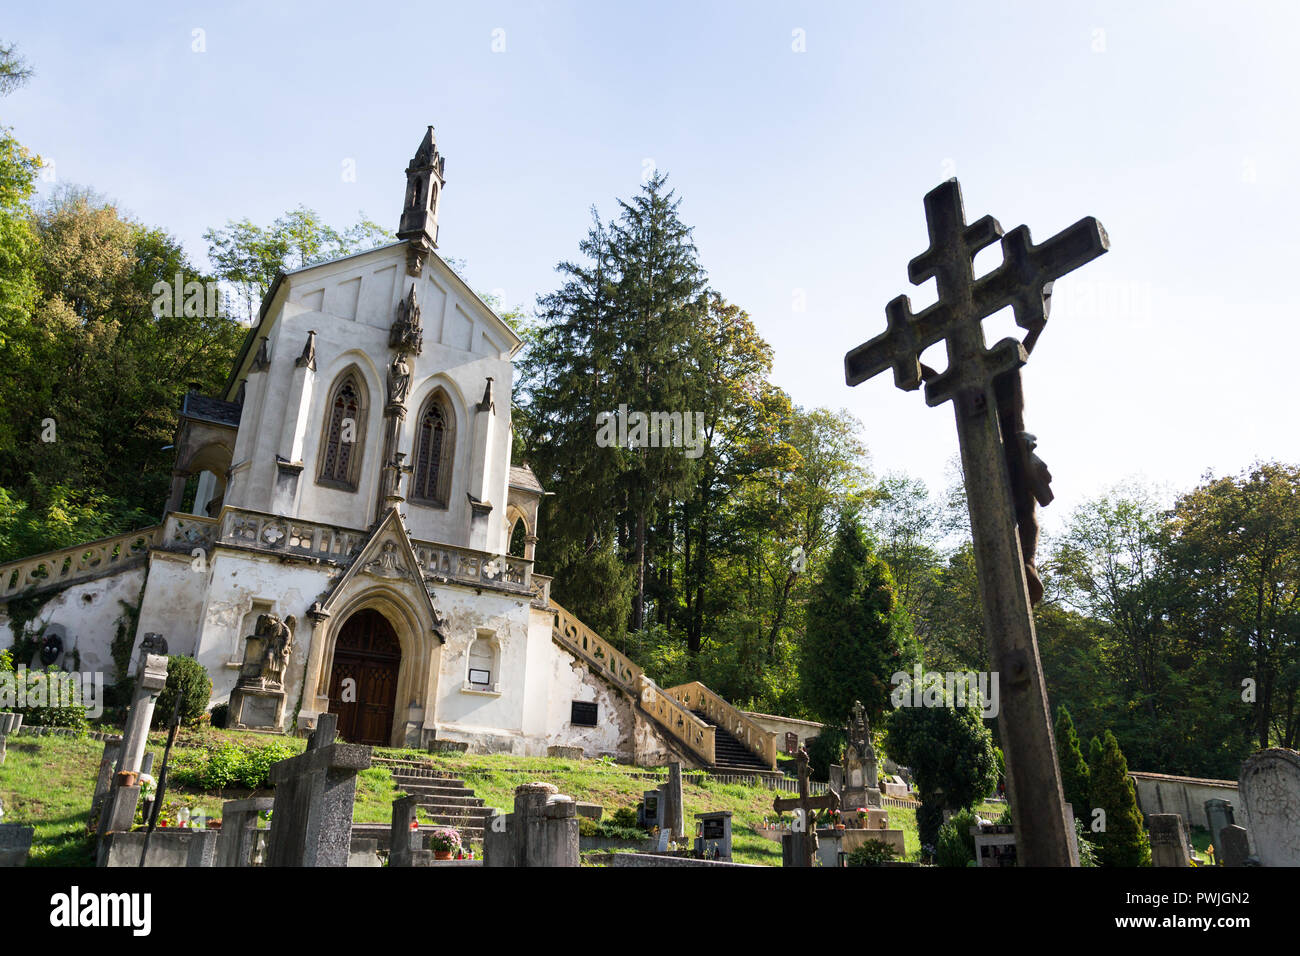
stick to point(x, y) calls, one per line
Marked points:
point(1074, 771)
point(858, 634)
point(1124, 841)
point(659, 310)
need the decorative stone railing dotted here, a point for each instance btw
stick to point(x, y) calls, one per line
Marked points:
point(309, 539)
point(695, 696)
point(698, 736)
point(69, 565)
point(615, 666)
point(182, 532)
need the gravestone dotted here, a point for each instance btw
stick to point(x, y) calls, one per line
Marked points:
point(404, 839)
point(15, 844)
point(674, 813)
point(650, 814)
point(860, 775)
point(4, 746)
point(1003, 478)
point(1270, 791)
point(714, 841)
point(1168, 840)
point(1219, 814)
point(119, 809)
point(239, 832)
point(1233, 846)
point(542, 831)
point(104, 779)
point(995, 845)
point(311, 819)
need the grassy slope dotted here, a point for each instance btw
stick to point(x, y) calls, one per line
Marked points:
point(48, 782)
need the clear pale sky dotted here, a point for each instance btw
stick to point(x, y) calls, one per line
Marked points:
point(802, 173)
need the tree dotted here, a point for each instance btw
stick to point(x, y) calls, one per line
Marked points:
point(1236, 548)
point(659, 298)
point(1074, 771)
point(858, 634)
point(1124, 840)
point(249, 257)
point(950, 753)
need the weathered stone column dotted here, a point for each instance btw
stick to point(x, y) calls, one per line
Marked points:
point(404, 839)
point(674, 814)
point(543, 830)
point(152, 678)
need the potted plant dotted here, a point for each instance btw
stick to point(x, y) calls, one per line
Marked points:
point(444, 842)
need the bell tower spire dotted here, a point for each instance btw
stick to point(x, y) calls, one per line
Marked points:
point(424, 182)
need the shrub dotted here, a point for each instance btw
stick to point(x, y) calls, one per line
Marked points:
point(228, 765)
point(57, 710)
point(624, 817)
point(220, 716)
point(871, 853)
point(188, 678)
point(955, 845)
point(587, 827)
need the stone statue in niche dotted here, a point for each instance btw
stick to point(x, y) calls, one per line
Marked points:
point(399, 380)
point(266, 653)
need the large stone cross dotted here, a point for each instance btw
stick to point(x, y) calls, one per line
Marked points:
point(805, 803)
point(1002, 476)
point(311, 820)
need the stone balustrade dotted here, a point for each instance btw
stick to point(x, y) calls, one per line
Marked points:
point(183, 532)
point(695, 696)
point(685, 726)
point(82, 562)
point(309, 539)
point(569, 632)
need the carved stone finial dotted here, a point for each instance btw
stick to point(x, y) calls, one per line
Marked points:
point(405, 334)
point(425, 176)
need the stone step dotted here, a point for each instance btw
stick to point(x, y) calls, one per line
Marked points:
point(430, 783)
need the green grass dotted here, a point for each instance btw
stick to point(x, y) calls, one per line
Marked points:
point(48, 782)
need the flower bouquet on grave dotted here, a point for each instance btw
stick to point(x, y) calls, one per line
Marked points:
point(444, 841)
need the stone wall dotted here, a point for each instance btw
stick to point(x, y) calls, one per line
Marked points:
point(1186, 796)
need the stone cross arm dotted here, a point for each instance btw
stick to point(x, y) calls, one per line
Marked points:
point(830, 801)
point(322, 760)
point(1023, 281)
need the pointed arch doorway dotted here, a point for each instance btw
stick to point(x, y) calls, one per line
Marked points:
point(363, 678)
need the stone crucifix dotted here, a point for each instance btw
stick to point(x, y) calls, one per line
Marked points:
point(804, 844)
point(1003, 477)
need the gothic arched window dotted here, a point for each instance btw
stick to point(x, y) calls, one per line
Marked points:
point(518, 538)
point(435, 445)
point(343, 435)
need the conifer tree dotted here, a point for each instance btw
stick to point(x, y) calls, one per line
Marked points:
point(1124, 840)
point(1074, 771)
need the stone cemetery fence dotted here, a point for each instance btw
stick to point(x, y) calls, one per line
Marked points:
point(311, 818)
point(1270, 789)
point(1003, 477)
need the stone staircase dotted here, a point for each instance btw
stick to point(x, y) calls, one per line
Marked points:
point(445, 799)
point(731, 756)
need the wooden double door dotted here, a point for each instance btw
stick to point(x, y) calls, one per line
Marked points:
point(363, 680)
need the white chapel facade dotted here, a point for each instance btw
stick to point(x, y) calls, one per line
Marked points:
point(348, 549)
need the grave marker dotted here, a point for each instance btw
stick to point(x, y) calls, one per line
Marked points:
point(311, 819)
point(799, 848)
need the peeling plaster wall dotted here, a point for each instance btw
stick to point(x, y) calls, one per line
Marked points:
point(489, 722)
point(88, 613)
point(239, 580)
point(570, 680)
point(173, 602)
